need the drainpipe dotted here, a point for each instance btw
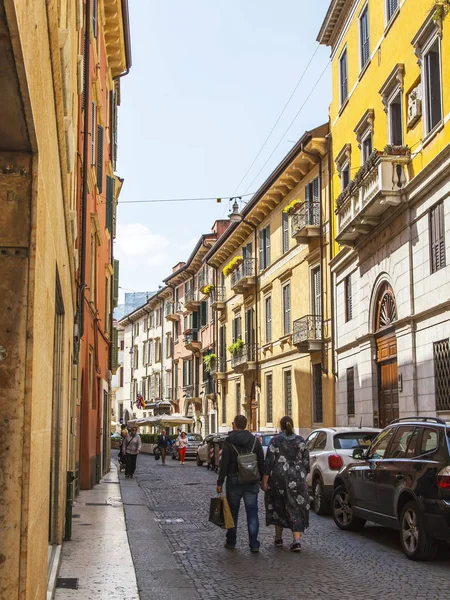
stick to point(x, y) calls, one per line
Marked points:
point(330, 218)
point(256, 340)
point(322, 320)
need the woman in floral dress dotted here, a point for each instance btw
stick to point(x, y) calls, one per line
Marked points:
point(284, 481)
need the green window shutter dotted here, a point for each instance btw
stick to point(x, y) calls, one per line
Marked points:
point(115, 350)
point(267, 235)
point(100, 158)
point(110, 204)
point(116, 283)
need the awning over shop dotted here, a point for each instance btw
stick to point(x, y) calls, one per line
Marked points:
point(175, 419)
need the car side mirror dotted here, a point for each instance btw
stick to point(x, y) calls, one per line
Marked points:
point(359, 454)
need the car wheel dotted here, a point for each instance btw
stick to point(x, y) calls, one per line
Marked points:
point(174, 455)
point(199, 462)
point(416, 543)
point(342, 511)
point(320, 504)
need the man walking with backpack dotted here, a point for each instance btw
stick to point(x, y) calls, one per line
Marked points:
point(243, 465)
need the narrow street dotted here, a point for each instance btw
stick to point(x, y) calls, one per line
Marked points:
point(178, 554)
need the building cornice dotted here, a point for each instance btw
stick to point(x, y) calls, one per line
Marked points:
point(117, 36)
point(333, 22)
point(194, 262)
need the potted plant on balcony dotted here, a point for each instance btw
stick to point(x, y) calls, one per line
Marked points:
point(235, 347)
point(232, 265)
point(393, 150)
point(209, 361)
point(207, 289)
point(442, 9)
point(292, 207)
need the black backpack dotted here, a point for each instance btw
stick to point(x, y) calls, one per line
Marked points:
point(247, 465)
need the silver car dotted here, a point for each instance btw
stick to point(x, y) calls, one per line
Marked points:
point(194, 441)
point(265, 437)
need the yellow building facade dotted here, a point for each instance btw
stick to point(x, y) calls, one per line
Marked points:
point(390, 184)
point(272, 298)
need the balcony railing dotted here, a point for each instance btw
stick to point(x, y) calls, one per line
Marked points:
point(305, 222)
point(243, 277)
point(191, 299)
point(219, 368)
point(168, 393)
point(172, 310)
point(244, 359)
point(191, 339)
point(307, 333)
point(191, 391)
point(209, 386)
point(377, 186)
point(218, 298)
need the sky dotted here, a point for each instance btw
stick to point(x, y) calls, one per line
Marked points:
point(208, 81)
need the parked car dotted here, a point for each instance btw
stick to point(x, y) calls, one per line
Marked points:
point(330, 448)
point(265, 437)
point(402, 481)
point(194, 441)
point(116, 437)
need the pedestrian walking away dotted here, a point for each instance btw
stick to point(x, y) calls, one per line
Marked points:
point(163, 443)
point(122, 450)
point(284, 481)
point(132, 448)
point(241, 443)
point(182, 442)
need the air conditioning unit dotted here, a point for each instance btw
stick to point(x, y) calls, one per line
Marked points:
point(414, 111)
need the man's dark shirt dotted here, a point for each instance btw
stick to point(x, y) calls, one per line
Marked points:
point(243, 440)
point(163, 441)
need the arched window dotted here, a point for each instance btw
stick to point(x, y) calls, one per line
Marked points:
point(386, 308)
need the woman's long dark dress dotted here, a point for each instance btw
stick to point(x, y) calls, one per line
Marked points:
point(287, 497)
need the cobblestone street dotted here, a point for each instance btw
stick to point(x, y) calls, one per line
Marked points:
point(333, 564)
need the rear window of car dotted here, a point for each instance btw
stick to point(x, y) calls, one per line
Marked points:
point(265, 439)
point(350, 441)
point(194, 437)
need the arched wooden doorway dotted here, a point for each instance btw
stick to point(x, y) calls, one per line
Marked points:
point(385, 316)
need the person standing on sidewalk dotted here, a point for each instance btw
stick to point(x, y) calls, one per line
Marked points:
point(132, 448)
point(284, 481)
point(242, 441)
point(182, 442)
point(163, 442)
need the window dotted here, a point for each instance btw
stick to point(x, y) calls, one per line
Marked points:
point(348, 298)
point(287, 309)
point(93, 121)
point(441, 354)
point(269, 399)
point(94, 17)
point(343, 76)
point(121, 381)
point(222, 342)
point(432, 86)
point(391, 7)
point(150, 352)
point(144, 353)
point(366, 147)
point(321, 441)
point(379, 448)
point(429, 441)
point(316, 291)
point(100, 158)
point(400, 442)
point(351, 391)
point(285, 231)
point(224, 405)
point(108, 304)
point(268, 307)
point(288, 392)
point(238, 398)
point(311, 440)
point(437, 237)
point(203, 314)
point(93, 268)
point(169, 346)
point(122, 344)
point(345, 176)
point(364, 37)
point(158, 350)
point(317, 393)
point(110, 214)
point(247, 251)
point(395, 120)
point(91, 377)
point(264, 248)
point(236, 324)
point(312, 204)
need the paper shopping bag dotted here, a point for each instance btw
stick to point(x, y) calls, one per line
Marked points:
point(227, 516)
point(216, 512)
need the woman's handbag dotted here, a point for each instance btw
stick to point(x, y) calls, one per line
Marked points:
point(157, 453)
point(220, 513)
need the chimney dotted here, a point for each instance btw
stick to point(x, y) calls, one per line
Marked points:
point(220, 226)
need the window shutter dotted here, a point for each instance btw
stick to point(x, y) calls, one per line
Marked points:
point(269, 396)
point(93, 120)
point(100, 159)
point(437, 235)
point(288, 392)
point(94, 17)
point(85, 94)
point(262, 264)
point(109, 203)
point(316, 202)
point(267, 235)
point(350, 391)
point(285, 225)
point(116, 284)
point(115, 350)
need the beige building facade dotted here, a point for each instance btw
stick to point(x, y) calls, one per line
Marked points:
point(38, 227)
point(272, 298)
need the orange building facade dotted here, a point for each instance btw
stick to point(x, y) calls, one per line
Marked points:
point(105, 50)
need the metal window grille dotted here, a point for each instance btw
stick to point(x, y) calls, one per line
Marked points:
point(318, 400)
point(269, 398)
point(288, 392)
point(351, 391)
point(441, 353)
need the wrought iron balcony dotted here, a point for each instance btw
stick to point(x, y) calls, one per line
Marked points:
point(307, 333)
point(377, 186)
point(219, 368)
point(191, 340)
point(243, 277)
point(191, 300)
point(244, 359)
point(190, 392)
point(209, 386)
point(218, 299)
point(168, 393)
point(305, 222)
point(172, 310)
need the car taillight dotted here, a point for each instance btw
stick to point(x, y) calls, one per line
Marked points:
point(443, 478)
point(335, 462)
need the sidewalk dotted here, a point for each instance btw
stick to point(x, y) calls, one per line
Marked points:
point(98, 554)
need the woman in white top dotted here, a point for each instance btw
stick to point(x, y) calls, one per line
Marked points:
point(182, 442)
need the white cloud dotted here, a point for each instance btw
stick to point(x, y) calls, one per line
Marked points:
point(156, 259)
point(136, 239)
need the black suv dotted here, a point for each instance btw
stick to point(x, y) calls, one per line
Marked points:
point(402, 481)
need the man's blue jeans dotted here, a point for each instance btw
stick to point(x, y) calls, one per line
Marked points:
point(249, 492)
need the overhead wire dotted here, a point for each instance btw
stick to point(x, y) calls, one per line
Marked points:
point(278, 119)
point(205, 199)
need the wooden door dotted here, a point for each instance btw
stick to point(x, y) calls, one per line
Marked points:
point(387, 379)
